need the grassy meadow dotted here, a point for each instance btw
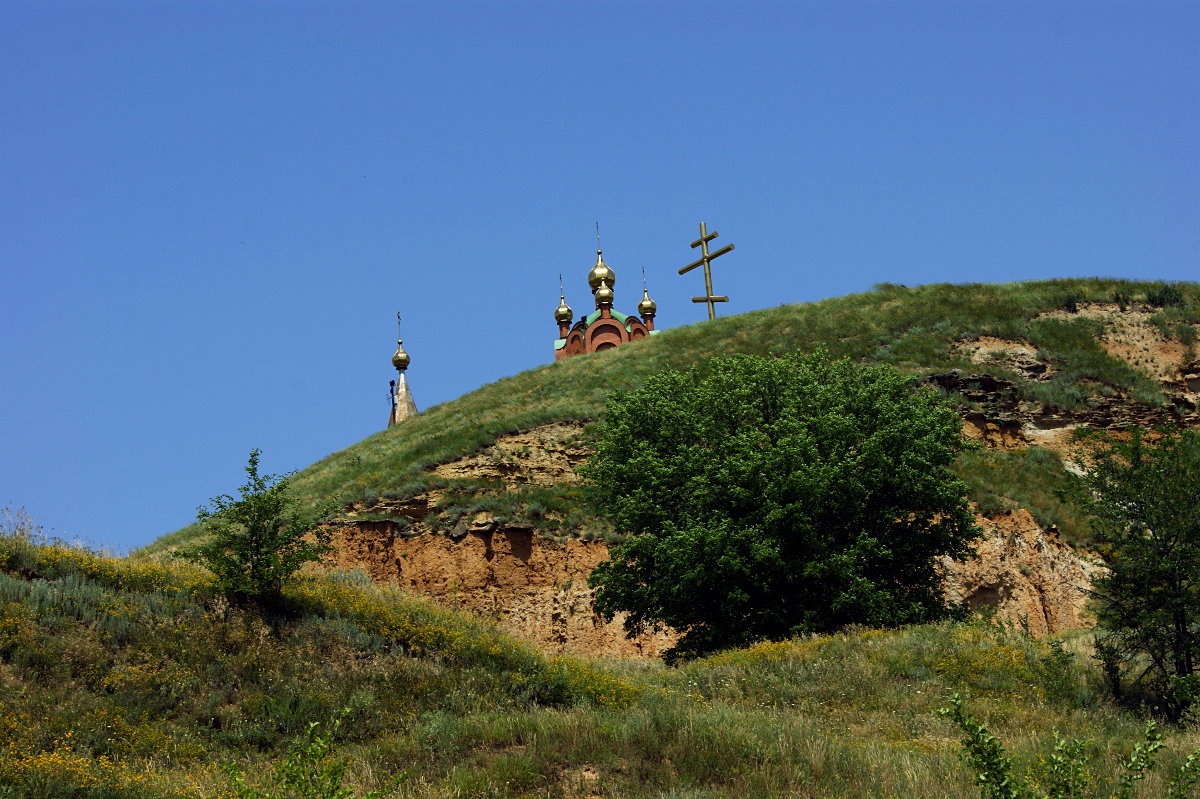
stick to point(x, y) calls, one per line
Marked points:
point(124, 678)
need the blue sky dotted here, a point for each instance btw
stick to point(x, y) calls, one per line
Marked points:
point(212, 210)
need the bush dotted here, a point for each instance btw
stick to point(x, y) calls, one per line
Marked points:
point(257, 542)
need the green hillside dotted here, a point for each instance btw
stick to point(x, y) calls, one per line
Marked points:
point(133, 679)
point(124, 678)
point(915, 329)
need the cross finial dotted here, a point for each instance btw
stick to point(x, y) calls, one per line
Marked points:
point(705, 260)
point(561, 293)
point(644, 287)
point(597, 234)
point(397, 324)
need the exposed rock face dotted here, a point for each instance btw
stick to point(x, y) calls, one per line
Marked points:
point(537, 588)
point(546, 455)
point(1026, 573)
point(1000, 418)
point(533, 587)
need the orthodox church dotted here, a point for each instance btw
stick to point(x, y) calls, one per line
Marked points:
point(603, 328)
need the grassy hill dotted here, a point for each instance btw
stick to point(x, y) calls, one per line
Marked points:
point(915, 329)
point(123, 678)
point(133, 679)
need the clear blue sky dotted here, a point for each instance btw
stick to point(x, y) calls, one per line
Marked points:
point(210, 211)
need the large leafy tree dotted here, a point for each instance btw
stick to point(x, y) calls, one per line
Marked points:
point(255, 542)
point(771, 497)
point(1144, 496)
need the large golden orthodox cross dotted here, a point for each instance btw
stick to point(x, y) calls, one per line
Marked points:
point(705, 261)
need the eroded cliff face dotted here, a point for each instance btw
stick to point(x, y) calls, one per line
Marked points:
point(536, 588)
point(1030, 576)
point(1000, 419)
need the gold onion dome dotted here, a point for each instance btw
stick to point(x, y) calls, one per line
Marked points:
point(400, 358)
point(601, 272)
point(604, 294)
point(647, 307)
point(563, 312)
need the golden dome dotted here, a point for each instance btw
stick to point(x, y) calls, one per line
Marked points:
point(647, 307)
point(601, 271)
point(400, 358)
point(604, 294)
point(563, 313)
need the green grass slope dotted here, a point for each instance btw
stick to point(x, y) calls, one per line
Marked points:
point(912, 328)
point(133, 679)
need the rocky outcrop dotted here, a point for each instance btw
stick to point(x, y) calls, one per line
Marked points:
point(995, 413)
point(536, 588)
point(1027, 574)
point(545, 455)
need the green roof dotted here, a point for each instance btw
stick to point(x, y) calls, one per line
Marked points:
point(620, 317)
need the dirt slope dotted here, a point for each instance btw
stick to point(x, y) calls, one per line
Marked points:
point(534, 587)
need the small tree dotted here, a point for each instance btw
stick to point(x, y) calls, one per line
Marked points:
point(1145, 500)
point(254, 543)
point(772, 497)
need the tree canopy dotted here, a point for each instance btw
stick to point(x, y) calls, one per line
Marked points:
point(1143, 494)
point(772, 497)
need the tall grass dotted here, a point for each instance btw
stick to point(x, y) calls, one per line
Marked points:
point(1032, 478)
point(132, 678)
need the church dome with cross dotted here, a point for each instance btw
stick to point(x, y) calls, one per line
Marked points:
point(403, 405)
point(605, 327)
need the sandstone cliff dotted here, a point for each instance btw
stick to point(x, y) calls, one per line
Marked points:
point(1027, 574)
point(536, 587)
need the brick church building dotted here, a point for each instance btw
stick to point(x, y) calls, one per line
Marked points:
point(603, 328)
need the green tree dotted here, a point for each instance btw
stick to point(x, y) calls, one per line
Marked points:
point(773, 497)
point(256, 542)
point(1144, 498)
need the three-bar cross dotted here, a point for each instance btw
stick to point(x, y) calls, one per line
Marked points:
point(705, 261)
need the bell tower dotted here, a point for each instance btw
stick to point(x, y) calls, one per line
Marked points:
point(403, 405)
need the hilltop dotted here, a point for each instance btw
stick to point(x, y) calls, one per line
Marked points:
point(477, 503)
point(1026, 361)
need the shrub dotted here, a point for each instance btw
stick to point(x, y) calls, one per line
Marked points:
point(257, 542)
